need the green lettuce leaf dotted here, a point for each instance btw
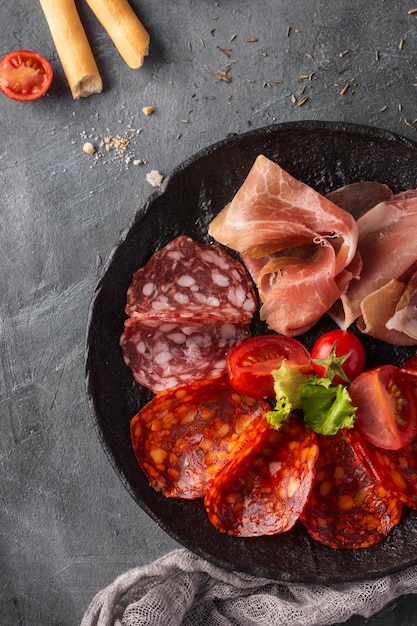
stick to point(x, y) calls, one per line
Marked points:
point(327, 408)
point(288, 386)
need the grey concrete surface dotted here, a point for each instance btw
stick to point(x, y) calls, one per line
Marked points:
point(67, 525)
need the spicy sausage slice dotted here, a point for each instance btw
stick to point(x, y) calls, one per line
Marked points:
point(189, 280)
point(182, 438)
point(396, 469)
point(348, 506)
point(263, 490)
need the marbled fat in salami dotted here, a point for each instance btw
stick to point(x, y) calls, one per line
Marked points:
point(165, 355)
point(263, 490)
point(183, 438)
point(348, 506)
point(189, 280)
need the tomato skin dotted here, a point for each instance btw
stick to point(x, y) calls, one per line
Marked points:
point(410, 366)
point(250, 364)
point(345, 342)
point(25, 75)
point(386, 402)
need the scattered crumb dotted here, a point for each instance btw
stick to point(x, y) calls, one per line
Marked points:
point(88, 148)
point(154, 178)
point(148, 110)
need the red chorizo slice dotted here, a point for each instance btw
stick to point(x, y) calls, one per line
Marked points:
point(396, 469)
point(263, 490)
point(182, 438)
point(348, 507)
point(189, 280)
point(165, 355)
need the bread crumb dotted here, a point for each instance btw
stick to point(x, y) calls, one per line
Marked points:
point(148, 110)
point(154, 178)
point(88, 148)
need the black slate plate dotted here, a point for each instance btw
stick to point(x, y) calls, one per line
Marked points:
point(326, 156)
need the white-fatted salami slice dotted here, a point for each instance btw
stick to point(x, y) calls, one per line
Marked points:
point(189, 280)
point(165, 355)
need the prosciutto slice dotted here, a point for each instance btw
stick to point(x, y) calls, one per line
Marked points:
point(296, 244)
point(388, 250)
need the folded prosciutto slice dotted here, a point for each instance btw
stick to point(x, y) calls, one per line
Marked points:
point(388, 248)
point(296, 244)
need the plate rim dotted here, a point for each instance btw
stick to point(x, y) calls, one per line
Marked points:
point(316, 125)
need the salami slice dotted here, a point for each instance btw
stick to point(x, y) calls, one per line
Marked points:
point(166, 355)
point(189, 280)
point(263, 490)
point(396, 469)
point(183, 438)
point(348, 507)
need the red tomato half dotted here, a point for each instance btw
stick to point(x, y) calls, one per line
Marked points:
point(341, 356)
point(386, 404)
point(25, 75)
point(250, 363)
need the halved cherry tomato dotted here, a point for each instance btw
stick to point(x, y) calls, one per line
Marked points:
point(250, 363)
point(25, 75)
point(338, 355)
point(386, 404)
point(410, 366)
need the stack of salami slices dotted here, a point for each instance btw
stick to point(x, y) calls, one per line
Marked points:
point(187, 307)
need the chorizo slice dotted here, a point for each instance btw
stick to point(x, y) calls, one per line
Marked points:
point(167, 355)
point(396, 469)
point(348, 506)
point(263, 490)
point(182, 438)
point(190, 280)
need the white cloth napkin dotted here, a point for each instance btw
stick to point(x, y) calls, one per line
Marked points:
point(182, 589)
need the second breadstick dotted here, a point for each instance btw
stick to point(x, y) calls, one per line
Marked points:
point(124, 28)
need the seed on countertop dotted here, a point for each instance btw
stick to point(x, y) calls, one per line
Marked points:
point(251, 39)
point(401, 44)
point(409, 124)
point(412, 11)
point(343, 53)
point(288, 31)
point(344, 90)
point(302, 101)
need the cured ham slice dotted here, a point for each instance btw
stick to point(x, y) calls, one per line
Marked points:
point(166, 355)
point(273, 211)
point(379, 318)
point(263, 490)
point(183, 438)
point(404, 319)
point(388, 250)
point(188, 280)
point(358, 198)
point(295, 243)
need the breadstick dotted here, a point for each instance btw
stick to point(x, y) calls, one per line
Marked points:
point(124, 29)
point(72, 46)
